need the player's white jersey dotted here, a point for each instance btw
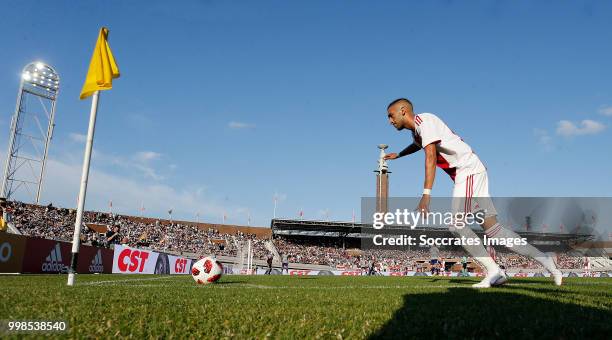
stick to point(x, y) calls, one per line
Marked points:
point(455, 157)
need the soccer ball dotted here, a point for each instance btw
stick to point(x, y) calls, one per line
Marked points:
point(206, 270)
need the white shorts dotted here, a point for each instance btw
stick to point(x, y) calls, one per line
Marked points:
point(472, 195)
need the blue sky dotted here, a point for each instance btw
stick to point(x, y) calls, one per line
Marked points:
point(222, 105)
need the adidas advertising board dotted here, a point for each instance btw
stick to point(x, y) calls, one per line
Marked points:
point(53, 261)
point(96, 265)
point(46, 256)
point(42, 256)
point(94, 260)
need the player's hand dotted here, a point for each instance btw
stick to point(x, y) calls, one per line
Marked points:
point(423, 207)
point(392, 155)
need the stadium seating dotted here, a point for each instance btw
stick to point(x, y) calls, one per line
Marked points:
point(193, 238)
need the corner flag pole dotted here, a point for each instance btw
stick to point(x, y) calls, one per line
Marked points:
point(102, 70)
point(82, 192)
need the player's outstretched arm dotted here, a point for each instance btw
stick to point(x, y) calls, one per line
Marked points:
point(430, 165)
point(430, 175)
point(410, 149)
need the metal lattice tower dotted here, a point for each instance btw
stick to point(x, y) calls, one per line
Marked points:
point(31, 133)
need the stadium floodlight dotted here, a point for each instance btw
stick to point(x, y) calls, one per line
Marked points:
point(28, 141)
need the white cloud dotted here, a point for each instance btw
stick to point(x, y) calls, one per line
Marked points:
point(544, 139)
point(325, 214)
point(77, 137)
point(240, 125)
point(127, 194)
point(587, 127)
point(280, 197)
point(63, 177)
point(148, 172)
point(200, 191)
point(606, 111)
point(139, 120)
point(142, 160)
point(146, 156)
point(139, 163)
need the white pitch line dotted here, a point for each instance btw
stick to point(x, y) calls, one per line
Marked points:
point(251, 285)
point(127, 280)
point(259, 286)
point(254, 286)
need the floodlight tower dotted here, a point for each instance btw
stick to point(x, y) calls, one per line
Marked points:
point(382, 181)
point(29, 141)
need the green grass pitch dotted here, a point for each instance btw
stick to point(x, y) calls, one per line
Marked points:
point(119, 306)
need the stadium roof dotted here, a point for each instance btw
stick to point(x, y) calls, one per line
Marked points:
point(292, 227)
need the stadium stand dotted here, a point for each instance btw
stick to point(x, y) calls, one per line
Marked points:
point(198, 238)
point(317, 244)
point(322, 242)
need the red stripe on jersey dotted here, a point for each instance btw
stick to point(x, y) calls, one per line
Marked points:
point(471, 190)
point(471, 193)
point(496, 231)
point(493, 231)
point(467, 185)
point(443, 164)
point(418, 120)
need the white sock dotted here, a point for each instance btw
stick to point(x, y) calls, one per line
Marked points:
point(478, 252)
point(497, 231)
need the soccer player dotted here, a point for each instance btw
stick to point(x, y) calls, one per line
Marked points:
point(587, 266)
point(443, 148)
point(434, 253)
point(285, 261)
point(363, 265)
point(464, 262)
point(269, 260)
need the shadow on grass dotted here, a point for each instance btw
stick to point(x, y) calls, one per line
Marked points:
point(470, 313)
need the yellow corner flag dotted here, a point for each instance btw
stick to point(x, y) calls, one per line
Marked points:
point(102, 68)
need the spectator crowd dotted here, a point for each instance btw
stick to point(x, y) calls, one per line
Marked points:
point(58, 223)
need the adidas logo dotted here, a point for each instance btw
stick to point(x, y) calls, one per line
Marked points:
point(53, 262)
point(96, 265)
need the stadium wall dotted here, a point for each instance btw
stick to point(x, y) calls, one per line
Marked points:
point(32, 255)
point(24, 254)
